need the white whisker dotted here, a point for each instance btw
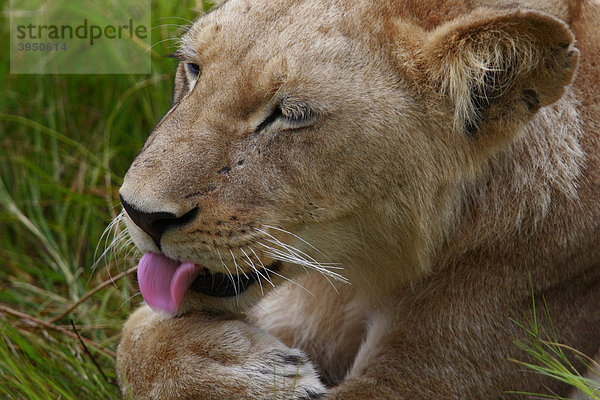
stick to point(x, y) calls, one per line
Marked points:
point(256, 271)
point(262, 266)
point(311, 263)
point(297, 237)
point(294, 258)
point(187, 21)
point(110, 231)
point(179, 26)
point(228, 272)
point(237, 274)
point(302, 255)
point(237, 268)
point(171, 39)
point(117, 245)
point(298, 252)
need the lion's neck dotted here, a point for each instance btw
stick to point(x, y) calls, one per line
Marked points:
point(525, 206)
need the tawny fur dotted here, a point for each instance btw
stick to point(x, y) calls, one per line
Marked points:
point(447, 158)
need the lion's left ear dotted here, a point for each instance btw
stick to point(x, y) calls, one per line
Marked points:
point(498, 68)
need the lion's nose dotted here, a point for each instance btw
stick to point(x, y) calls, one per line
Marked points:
point(155, 224)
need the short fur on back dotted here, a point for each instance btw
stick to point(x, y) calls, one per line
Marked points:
point(403, 179)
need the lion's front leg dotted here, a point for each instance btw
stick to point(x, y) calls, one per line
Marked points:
point(197, 356)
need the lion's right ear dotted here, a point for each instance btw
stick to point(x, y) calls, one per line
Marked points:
point(497, 68)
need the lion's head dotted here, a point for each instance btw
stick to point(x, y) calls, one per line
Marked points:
point(303, 140)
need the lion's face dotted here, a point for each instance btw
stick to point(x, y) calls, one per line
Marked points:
point(299, 140)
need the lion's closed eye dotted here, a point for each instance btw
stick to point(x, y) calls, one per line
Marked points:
point(290, 114)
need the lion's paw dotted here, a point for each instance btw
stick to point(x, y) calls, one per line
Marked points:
point(203, 357)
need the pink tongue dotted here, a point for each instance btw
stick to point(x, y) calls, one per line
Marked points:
point(164, 282)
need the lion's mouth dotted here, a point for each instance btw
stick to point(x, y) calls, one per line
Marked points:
point(223, 285)
point(164, 282)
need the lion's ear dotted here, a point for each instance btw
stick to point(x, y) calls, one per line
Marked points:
point(498, 68)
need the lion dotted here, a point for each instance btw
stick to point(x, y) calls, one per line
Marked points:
point(358, 199)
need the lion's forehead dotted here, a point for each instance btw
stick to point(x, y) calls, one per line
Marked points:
point(307, 17)
point(254, 31)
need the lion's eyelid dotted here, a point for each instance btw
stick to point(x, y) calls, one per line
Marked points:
point(298, 114)
point(293, 115)
point(275, 114)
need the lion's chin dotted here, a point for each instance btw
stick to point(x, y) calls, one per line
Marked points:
point(225, 285)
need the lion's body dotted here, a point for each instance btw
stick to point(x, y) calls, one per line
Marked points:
point(442, 155)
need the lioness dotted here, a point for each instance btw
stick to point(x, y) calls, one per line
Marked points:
point(355, 200)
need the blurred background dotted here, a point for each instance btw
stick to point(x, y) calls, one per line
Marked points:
point(65, 143)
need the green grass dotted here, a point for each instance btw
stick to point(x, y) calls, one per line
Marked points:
point(65, 143)
point(548, 357)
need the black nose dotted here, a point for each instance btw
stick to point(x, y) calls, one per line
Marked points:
point(156, 223)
